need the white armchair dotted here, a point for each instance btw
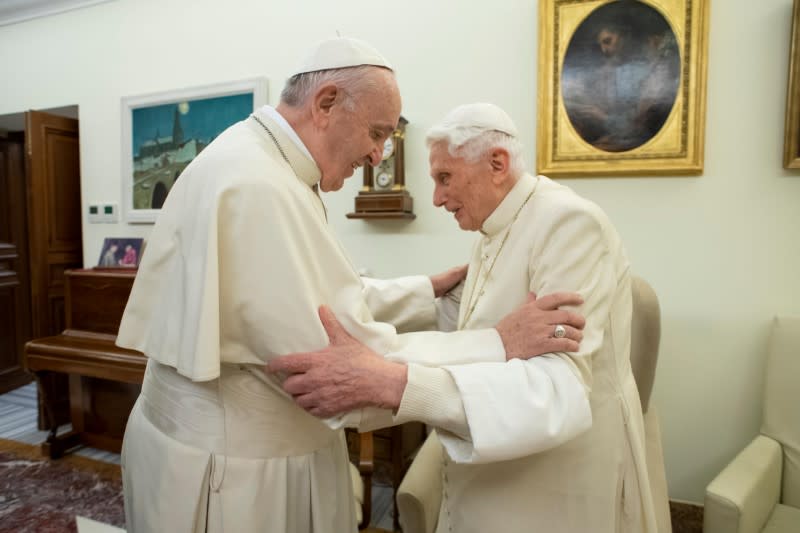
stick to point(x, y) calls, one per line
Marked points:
point(760, 489)
point(419, 495)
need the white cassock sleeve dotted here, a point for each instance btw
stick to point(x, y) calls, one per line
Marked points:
point(523, 407)
point(407, 302)
point(447, 308)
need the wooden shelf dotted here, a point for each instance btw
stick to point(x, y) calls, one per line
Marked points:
point(385, 215)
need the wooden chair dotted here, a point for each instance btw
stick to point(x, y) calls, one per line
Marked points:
point(361, 474)
point(385, 456)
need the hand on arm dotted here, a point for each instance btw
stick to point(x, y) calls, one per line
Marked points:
point(448, 279)
point(529, 330)
point(344, 376)
point(347, 375)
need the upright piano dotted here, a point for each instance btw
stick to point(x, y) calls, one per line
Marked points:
point(104, 380)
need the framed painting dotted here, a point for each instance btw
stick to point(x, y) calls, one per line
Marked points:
point(791, 132)
point(622, 87)
point(162, 133)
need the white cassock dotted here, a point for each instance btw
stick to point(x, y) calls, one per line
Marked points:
point(512, 459)
point(238, 263)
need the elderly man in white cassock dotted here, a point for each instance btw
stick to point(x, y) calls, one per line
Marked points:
point(512, 461)
point(237, 265)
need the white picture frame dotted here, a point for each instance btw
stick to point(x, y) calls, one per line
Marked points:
point(152, 159)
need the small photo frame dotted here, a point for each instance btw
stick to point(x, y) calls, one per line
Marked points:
point(120, 252)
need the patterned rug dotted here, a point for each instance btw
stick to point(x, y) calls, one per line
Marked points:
point(39, 495)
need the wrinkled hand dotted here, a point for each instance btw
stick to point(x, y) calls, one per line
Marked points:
point(345, 375)
point(448, 279)
point(528, 330)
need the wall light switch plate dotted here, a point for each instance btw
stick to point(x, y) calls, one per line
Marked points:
point(110, 213)
point(103, 213)
point(95, 214)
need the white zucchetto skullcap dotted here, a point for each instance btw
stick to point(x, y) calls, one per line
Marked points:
point(478, 117)
point(340, 52)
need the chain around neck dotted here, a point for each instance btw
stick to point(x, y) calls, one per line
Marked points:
point(277, 144)
point(476, 293)
point(314, 187)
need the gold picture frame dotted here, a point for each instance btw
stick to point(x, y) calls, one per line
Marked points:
point(791, 134)
point(622, 87)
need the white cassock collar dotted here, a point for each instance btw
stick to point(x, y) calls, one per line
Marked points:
point(272, 113)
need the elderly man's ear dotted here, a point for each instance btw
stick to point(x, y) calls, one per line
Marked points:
point(323, 101)
point(499, 163)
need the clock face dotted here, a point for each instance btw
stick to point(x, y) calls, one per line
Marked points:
point(383, 179)
point(388, 148)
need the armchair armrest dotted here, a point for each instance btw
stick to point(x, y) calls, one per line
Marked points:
point(741, 498)
point(420, 494)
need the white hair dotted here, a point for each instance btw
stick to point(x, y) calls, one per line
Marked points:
point(472, 143)
point(354, 82)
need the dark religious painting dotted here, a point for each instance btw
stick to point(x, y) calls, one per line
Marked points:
point(621, 87)
point(621, 75)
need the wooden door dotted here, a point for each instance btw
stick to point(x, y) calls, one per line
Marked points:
point(54, 232)
point(54, 214)
point(15, 318)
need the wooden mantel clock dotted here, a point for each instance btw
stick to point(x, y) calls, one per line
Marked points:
point(384, 193)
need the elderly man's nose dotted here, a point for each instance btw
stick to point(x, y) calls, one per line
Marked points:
point(375, 156)
point(438, 197)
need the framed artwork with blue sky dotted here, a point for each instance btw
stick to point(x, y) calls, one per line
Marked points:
point(162, 133)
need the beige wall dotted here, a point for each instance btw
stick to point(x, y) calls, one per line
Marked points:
point(721, 250)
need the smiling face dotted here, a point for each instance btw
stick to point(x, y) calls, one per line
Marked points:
point(465, 189)
point(354, 134)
